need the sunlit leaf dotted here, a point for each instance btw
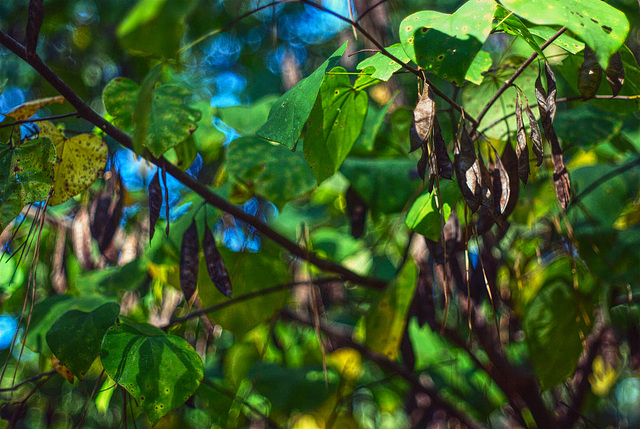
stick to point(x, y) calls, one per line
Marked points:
point(28, 109)
point(289, 114)
point(600, 25)
point(383, 66)
point(447, 44)
point(80, 160)
point(425, 217)
point(160, 371)
point(386, 320)
point(334, 124)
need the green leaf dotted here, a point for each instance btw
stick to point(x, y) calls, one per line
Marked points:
point(289, 114)
point(386, 320)
point(601, 26)
point(475, 97)
point(445, 45)
point(170, 120)
point(143, 108)
point(47, 311)
point(160, 371)
point(512, 25)
point(481, 63)
point(271, 170)
point(80, 160)
point(586, 126)
point(155, 27)
point(424, 216)
point(334, 124)
point(565, 41)
point(553, 323)
point(76, 336)
point(374, 120)
point(385, 184)
point(293, 389)
point(26, 175)
point(249, 272)
point(384, 67)
point(247, 120)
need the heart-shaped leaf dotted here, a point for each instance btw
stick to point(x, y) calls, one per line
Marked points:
point(160, 371)
point(447, 44)
point(76, 336)
point(80, 159)
point(170, 120)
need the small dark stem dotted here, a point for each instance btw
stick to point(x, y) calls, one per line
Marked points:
point(517, 73)
point(29, 380)
point(261, 292)
point(48, 118)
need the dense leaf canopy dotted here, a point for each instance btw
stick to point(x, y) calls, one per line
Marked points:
point(319, 214)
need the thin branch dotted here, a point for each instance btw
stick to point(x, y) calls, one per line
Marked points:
point(562, 100)
point(517, 73)
point(86, 112)
point(242, 298)
point(366, 12)
point(388, 54)
point(29, 380)
point(603, 179)
point(48, 118)
point(233, 23)
point(390, 366)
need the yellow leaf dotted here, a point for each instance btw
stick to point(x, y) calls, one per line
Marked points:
point(28, 109)
point(347, 362)
point(80, 160)
point(602, 378)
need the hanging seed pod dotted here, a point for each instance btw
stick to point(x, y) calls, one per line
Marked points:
point(546, 98)
point(561, 179)
point(590, 74)
point(34, 22)
point(485, 184)
point(357, 211)
point(215, 264)
point(105, 214)
point(166, 198)
point(467, 170)
point(423, 118)
point(522, 151)
point(509, 163)
point(81, 239)
point(536, 136)
point(501, 197)
point(189, 261)
point(155, 203)
point(615, 73)
point(443, 162)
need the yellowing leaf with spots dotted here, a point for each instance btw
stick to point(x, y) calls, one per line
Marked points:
point(80, 159)
point(445, 44)
point(387, 318)
point(28, 109)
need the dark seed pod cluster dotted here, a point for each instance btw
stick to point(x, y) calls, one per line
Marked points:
point(189, 261)
point(105, 215)
point(547, 107)
point(467, 169)
point(155, 203)
point(215, 264)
